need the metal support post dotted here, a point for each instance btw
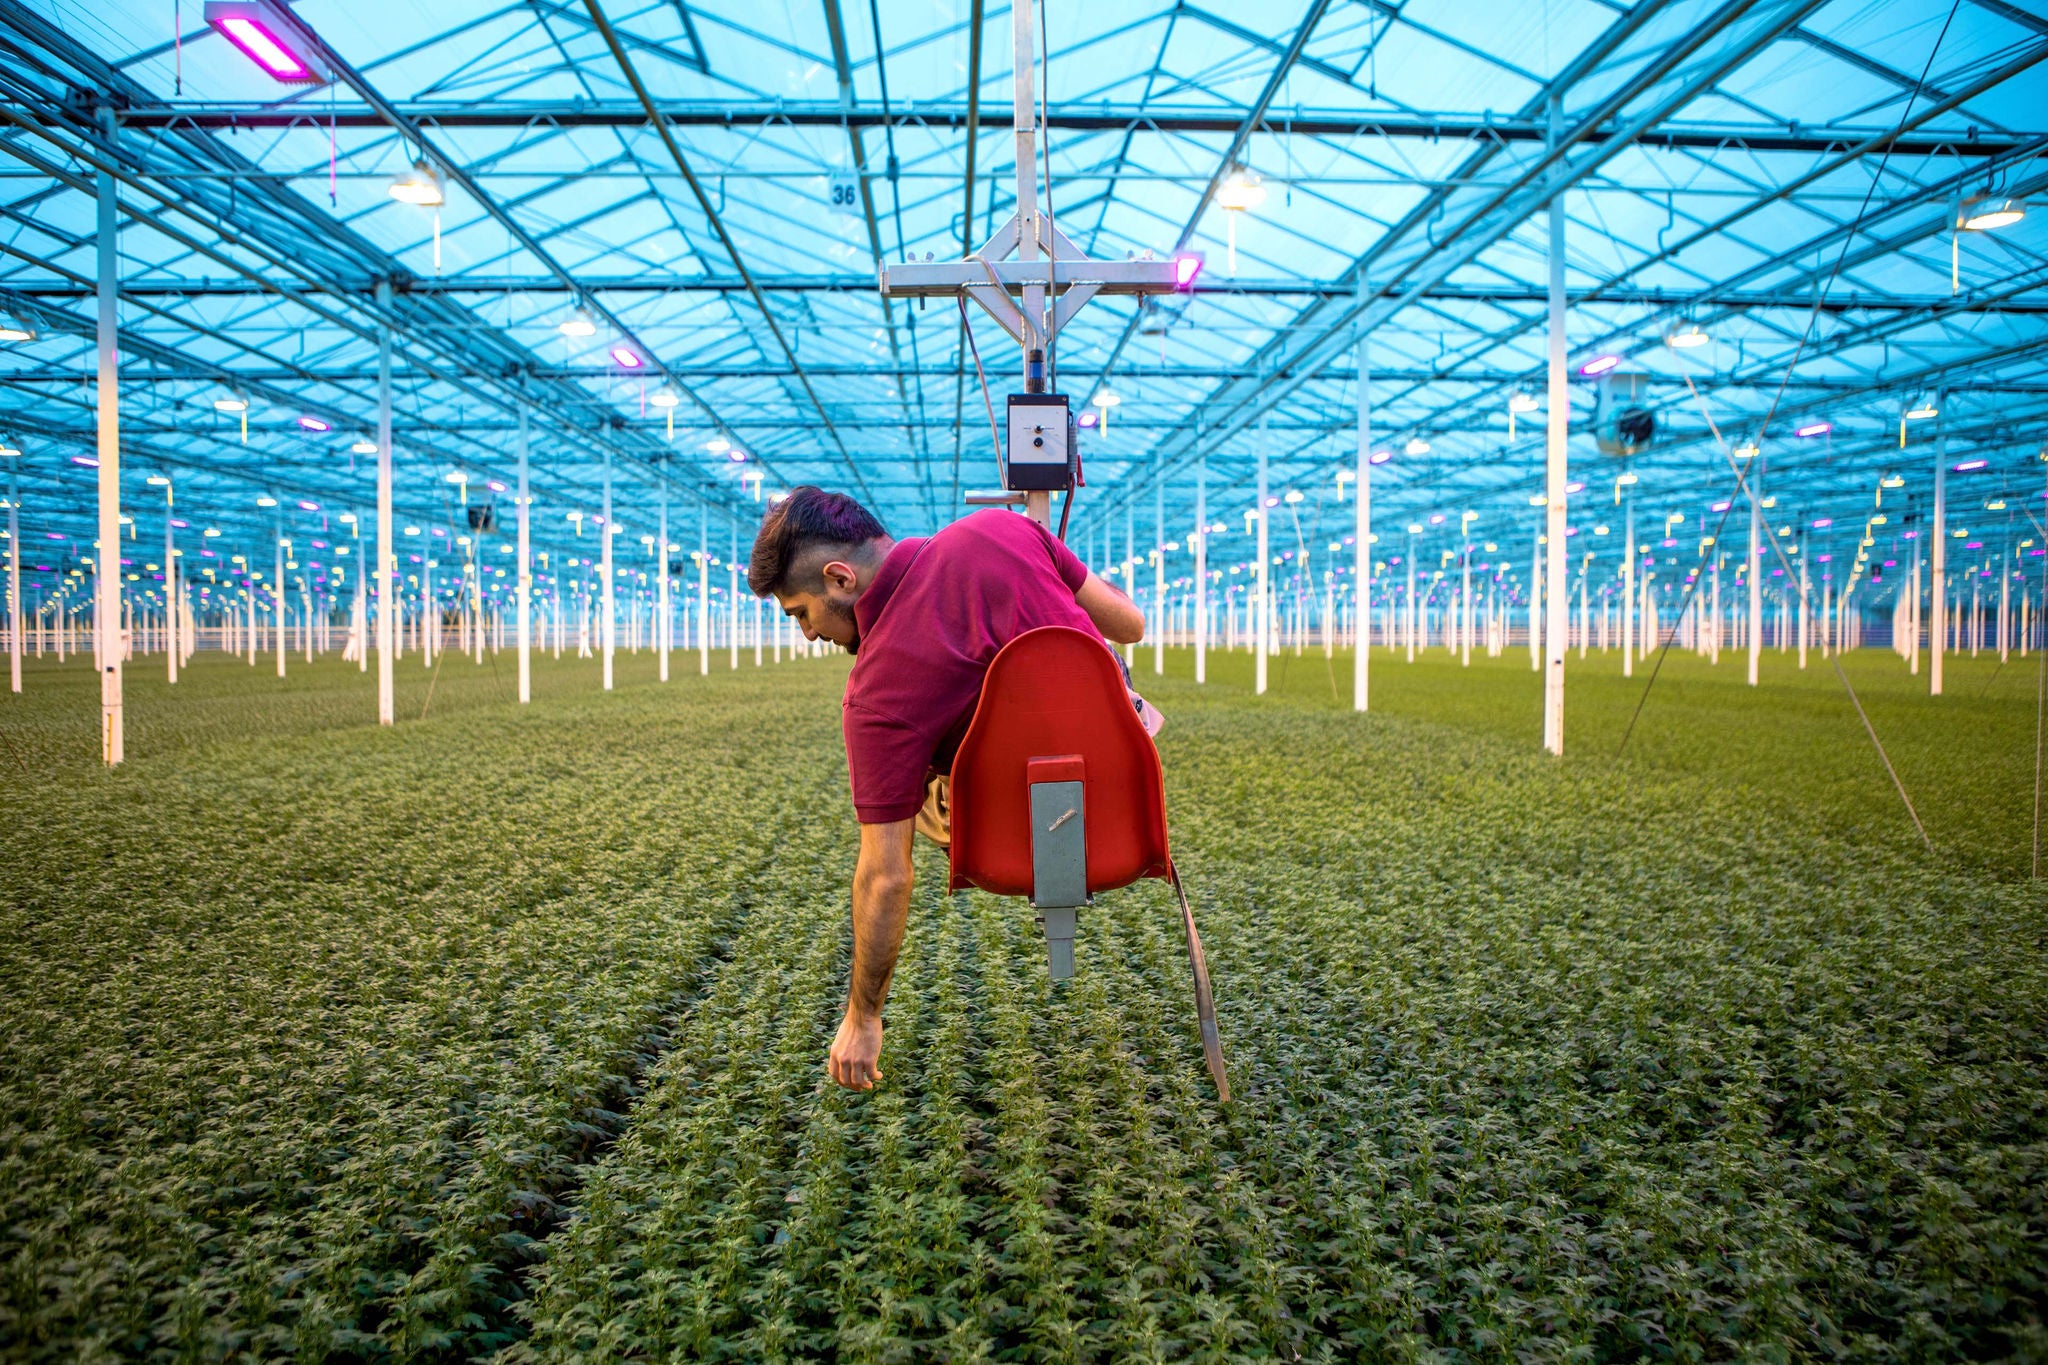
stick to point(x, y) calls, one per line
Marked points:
point(1556, 417)
point(14, 613)
point(525, 585)
point(1201, 549)
point(170, 584)
point(661, 598)
point(1159, 577)
point(607, 632)
point(1937, 638)
point(1628, 590)
point(1361, 559)
point(387, 553)
point(107, 553)
point(277, 591)
point(1262, 617)
point(1753, 570)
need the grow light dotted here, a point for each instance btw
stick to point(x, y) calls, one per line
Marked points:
point(270, 36)
point(1599, 365)
point(1983, 212)
point(419, 186)
point(1968, 466)
point(1815, 429)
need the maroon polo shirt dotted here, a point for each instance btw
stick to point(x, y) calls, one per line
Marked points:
point(930, 625)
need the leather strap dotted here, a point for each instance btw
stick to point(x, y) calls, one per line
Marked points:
point(1205, 1002)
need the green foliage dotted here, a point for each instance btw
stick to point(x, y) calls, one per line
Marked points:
point(308, 1034)
point(504, 1034)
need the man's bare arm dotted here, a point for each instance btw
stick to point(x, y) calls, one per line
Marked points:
point(882, 882)
point(1114, 614)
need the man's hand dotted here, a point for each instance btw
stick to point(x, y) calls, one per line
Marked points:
point(881, 904)
point(856, 1052)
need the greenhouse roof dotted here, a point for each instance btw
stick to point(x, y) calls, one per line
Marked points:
point(1784, 177)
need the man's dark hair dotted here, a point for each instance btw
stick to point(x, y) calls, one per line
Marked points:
point(808, 519)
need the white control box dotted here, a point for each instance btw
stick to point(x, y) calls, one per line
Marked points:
point(1040, 450)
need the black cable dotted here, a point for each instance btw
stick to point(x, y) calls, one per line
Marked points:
point(1806, 335)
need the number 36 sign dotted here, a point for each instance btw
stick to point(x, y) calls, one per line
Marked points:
point(843, 193)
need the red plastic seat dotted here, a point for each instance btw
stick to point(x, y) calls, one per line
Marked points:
point(1054, 708)
point(1054, 692)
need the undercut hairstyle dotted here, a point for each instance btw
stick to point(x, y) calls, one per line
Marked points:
point(809, 519)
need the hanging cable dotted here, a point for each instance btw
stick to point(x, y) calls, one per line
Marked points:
point(995, 434)
point(1741, 473)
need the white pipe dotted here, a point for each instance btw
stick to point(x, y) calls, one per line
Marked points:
point(1753, 570)
point(1264, 615)
point(387, 556)
point(1361, 559)
point(608, 619)
point(107, 556)
point(1938, 580)
point(524, 586)
point(1201, 548)
point(14, 641)
point(1555, 471)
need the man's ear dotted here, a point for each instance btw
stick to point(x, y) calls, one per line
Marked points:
point(839, 574)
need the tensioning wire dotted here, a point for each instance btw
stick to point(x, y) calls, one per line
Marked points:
point(994, 434)
point(1742, 482)
point(2040, 696)
point(1835, 657)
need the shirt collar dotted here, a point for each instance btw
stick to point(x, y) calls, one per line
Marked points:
point(867, 610)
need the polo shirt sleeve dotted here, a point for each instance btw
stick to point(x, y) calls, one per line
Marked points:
point(886, 762)
point(1065, 562)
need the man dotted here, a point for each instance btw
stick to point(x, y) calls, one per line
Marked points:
point(924, 619)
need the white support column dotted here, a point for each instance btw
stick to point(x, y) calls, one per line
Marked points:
point(107, 556)
point(1130, 576)
point(1201, 549)
point(1584, 621)
point(2004, 609)
point(277, 592)
point(1159, 578)
point(663, 633)
point(703, 594)
point(14, 612)
point(1806, 586)
point(170, 583)
point(1628, 590)
point(387, 553)
point(1263, 616)
point(608, 608)
point(525, 584)
point(1361, 559)
point(1409, 604)
point(1556, 418)
point(732, 600)
point(1464, 626)
point(1937, 637)
point(1753, 570)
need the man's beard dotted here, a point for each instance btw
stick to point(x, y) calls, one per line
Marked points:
point(845, 614)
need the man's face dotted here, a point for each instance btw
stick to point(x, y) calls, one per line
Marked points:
point(826, 614)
